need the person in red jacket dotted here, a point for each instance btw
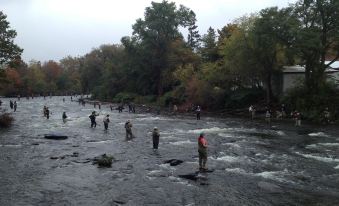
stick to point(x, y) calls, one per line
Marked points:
point(202, 150)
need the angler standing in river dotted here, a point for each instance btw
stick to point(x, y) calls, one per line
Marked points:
point(15, 106)
point(47, 112)
point(155, 137)
point(64, 117)
point(92, 117)
point(11, 104)
point(198, 111)
point(202, 150)
point(106, 121)
point(128, 127)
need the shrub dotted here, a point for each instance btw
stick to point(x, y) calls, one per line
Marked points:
point(124, 97)
point(243, 97)
point(312, 105)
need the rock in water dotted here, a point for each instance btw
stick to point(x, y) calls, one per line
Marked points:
point(191, 176)
point(56, 136)
point(173, 162)
point(103, 161)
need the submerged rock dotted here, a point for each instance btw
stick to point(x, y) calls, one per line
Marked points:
point(173, 162)
point(103, 160)
point(56, 136)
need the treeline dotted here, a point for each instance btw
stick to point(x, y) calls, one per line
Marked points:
point(49, 78)
point(231, 67)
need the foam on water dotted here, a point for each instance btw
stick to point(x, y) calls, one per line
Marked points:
point(226, 158)
point(323, 159)
point(231, 145)
point(182, 142)
point(169, 137)
point(225, 135)
point(329, 144)
point(272, 175)
point(151, 119)
point(179, 180)
point(318, 134)
point(337, 167)
point(281, 133)
point(236, 170)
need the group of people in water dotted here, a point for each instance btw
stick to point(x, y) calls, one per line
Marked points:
point(282, 114)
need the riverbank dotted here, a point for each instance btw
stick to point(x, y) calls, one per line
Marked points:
point(240, 114)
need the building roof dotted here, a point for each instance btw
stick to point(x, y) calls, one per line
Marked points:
point(301, 69)
point(334, 65)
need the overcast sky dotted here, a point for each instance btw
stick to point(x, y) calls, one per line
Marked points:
point(53, 29)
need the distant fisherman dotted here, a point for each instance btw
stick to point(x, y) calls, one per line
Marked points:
point(268, 117)
point(47, 112)
point(155, 136)
point(202, 150)
point(92, 117)
point(106, 121)
point(128, 127)
point(11, 104)
point(14, 106)
point(64, 117)
point(198, 111)
point(297, 118)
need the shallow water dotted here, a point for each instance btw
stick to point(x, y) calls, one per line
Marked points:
point(253, 164)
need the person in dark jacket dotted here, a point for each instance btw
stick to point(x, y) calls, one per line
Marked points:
point(92, 117)
point(64, 117)
point(128, 127)
point(106, 121)
point(155, 136)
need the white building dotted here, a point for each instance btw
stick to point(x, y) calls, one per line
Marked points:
point(294, 75)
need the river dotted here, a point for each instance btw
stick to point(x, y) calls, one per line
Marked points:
point(253, 164)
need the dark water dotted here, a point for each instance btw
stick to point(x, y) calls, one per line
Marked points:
point(253, 165)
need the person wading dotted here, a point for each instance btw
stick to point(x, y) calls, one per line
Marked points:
point(202, 150)
point(198, 111)
point(155, 136)
point(64, 117)
point(106, 121)
point(15, 106)
point(47, 112)
point(92, 117)
point(128, 127)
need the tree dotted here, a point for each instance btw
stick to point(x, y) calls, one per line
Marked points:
point(315, 35)
point(209, 51)
point(267, 47)
point(154, 35)
point(8, 50)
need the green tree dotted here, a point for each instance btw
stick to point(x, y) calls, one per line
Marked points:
point(154, 35)
point(208, 50)
point(314, 36)
point(8, 50)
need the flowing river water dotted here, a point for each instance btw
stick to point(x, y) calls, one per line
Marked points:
point(253, 164)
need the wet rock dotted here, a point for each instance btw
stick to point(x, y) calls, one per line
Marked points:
point(269, 187)
point(75, 154)
point(82, 161)
point(173, 162)
point(103, 160)
point(35, 143)
point(119, 202)
point(56, 136)
point(53, 158)
point(191, 176)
